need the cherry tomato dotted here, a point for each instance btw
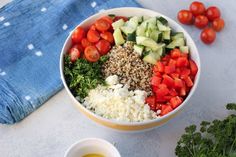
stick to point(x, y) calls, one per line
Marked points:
point(213, 13)
point(93, 36)
point(79, 47)
point(108, 19)
point(193, 67)
point(201, 21)
point(218, 24)
point(91, 54)
point(197, 8)
point(74, 54)
point(155, 80)
point(77, 35)
point(208, 35)
point(107, 36)
point(102, 25)
point(85, 43)
point(120, 17)
point(165, 109)
point(185, 17)
point(93, 27)
point(176, 101)
point(103, 47)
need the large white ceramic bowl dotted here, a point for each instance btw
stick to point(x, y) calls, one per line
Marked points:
point(134, 126)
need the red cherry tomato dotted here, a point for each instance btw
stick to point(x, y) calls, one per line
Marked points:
point(108, 19)
point(103, 47)
point(74, 54)
point(102, 25)
point(93, 36)
point(218, 24)
point(85, 43)
point(107, 36)
point(208, 35)
point(91, 54)
point(185, 17)
point(165, 109)
point(93, 27)
point(120, 17)
point(176, 101)
point(193, 67)
point(201, 21)
point(79, 47)
point(213, 13)
point(77, 35)
point(197, 8)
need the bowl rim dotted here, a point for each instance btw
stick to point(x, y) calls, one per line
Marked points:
point(196, 81)
point(115, 150)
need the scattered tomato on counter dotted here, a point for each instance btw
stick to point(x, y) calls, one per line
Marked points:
point(201, 18)
point(172, 80)
point(97, 41)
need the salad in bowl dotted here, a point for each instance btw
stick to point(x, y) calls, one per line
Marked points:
point(130, 68)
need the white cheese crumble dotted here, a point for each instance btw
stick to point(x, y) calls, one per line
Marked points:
point(114, 101)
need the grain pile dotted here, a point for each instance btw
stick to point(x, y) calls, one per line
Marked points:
point(131, 70)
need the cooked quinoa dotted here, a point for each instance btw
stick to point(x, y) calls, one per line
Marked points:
point(129, 67)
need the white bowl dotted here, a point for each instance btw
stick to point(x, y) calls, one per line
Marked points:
point(133, 126)
point(92, 146)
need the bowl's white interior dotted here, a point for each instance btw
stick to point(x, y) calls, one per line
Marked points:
point(129, 11)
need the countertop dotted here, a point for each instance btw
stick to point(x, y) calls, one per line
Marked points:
point(50, 130)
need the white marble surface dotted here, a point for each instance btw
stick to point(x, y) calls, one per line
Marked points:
point(50, 130)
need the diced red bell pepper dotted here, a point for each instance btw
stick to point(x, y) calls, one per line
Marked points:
point(160, 67)
point(168, 81)
point(151, 100)
point(175, 53)
point(175, 101)
point(182, 62)
point(193, 67)
point(173, 92)
point(155, 80)
point(174, 75)
point(185, 72)
point(165, 109)
point(188, 81)
point(169, 69)
point(178, 83)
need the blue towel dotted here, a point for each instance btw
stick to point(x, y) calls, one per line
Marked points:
point(32, 34)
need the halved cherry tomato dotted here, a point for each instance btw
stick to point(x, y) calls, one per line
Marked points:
point(107, 36)
point(218, 24)
point(155, 80)
point(165, 109)
point(108, 19)
point(208, 35)
point(182, 62)
point(91, 54)
point(102, 25)
point(175, 101)
point(74, 54)
point(103, 46)
point(197, 8)
point(168, 81)
point(172, 62)
point(85, 43)
point(93, 36)
point(193, 67)
point(77, 35)
point(201, 21)
point(188, 81)
point(175, 53)
point(120, 17)
point(79, 47)
point(185, 17)
point(213, 13)
point(93, 27)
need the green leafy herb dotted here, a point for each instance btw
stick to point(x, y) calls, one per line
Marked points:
point(215, 139)
point(82, 75)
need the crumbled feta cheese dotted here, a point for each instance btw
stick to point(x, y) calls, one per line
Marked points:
point(115, 101)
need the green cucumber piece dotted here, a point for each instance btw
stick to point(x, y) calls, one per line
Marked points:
point(184, 49)
point(163, 20)
point(147, 42)
point(176, 43)
point(151, 58)
point(118, 37)
point(127, 29)
point(162, 27)
point(140, 31)
point(177, 35)
point(166, 35)
point(131, 37)
point(155, 35)
point(118, 24)
point(139, 49)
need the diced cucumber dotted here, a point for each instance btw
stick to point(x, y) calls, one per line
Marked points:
point(118, 37)
point(184, 49)
point(176, 43)
point(177, 35)
point(145, 18)
point(166, 35)
point(152, 57)
point(131, 37)
point(151, 26)
point(139, 49)
point(127, 29)
point(162, 27)
point(163, 20)
point(151, 21)
point(147, 42)
point(155, 35)
point(140, 31)
point(133, 22)
point(118, 24)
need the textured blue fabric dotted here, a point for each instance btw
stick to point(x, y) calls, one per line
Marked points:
point(32, 34)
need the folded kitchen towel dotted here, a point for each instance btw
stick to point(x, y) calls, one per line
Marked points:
point(32, 34)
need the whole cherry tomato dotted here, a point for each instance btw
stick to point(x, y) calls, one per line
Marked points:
point(185, 17)
point(201, 21)
point(197, 8)
point(208, 35)
point(213, 13)
point(218, 24)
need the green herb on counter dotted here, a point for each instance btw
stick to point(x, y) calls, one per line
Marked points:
point(83, 75)
point(215, 139)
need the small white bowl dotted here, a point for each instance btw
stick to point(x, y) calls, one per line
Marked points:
point(92, 146)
